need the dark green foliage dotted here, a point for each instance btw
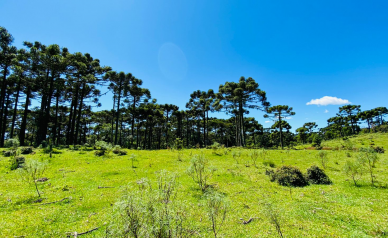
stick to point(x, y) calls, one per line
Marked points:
point(43, 144)
point(11, 143)
point(315, 175)
point(7, 153)
point(288, 176)
point(99, 152)
point(317, 140)
point(17, 162)
point(26, 150)
point(379, 150)
point(178, 144)
point(118, 151)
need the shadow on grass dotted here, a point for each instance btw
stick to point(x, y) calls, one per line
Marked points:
point(30, 200)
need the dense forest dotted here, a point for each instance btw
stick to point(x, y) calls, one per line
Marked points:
point(50, 96)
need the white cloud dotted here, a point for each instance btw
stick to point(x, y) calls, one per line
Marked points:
point(267, 121)
point(327, 100)
point(288, 118)
point(326, 111)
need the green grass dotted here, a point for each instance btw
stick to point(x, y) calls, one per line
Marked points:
point(337, 210)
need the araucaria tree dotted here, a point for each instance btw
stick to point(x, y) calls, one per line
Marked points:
point(238, 98)
point(202, 102)
point(279, 113)
point(7, 55)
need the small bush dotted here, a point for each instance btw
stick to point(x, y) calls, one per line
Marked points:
point(269, 163)
point(317, 140)
point(200, 171)
point(215, 147)
point(26, 150)
point(354, 170)
point(12, 143)
point(99, 152)
point(7, 153)
point(379, 150)
point(17, 162)
point(116, 150)
point(43, 144)
point(288, 176)
point(315, 175)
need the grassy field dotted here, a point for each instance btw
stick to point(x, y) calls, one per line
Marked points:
point(337, 210)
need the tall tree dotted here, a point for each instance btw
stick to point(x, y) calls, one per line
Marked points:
point(278, 113)
point(52, 63)
point(350, 112)
point(238, 98)
point(204, 102)
point(381, 112)
point(7, 55)
point(137, 95)
point(310, 126)
point(120, 88)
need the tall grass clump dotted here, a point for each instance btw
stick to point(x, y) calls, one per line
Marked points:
point(148, 212)
point(200, 171)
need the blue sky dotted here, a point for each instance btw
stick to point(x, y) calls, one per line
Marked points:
point(296, 50)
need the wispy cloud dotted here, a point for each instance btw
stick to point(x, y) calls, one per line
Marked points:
point(288, 118)
point(327, 100)
point(267, 121)
point(326, 111)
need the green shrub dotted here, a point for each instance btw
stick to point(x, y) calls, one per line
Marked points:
point(26, 150)
point(17, 162)
point(354, 170)
point(215, 147)
point(269, 163)
point(12, 143)
point(7, 153)
point(315, 175)
point(288, 176)
point(317, 140)
point(43, 144)
point(116, 149)
point(99, 152)
point(379, 150)
point(200, 171)
point(151, 211)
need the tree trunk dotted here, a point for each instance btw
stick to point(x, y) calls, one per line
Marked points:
point(55, 141)
point(2, 98)
point(281, 130)
point(16, 107)
point(22, 134)
point(4, 126)
point(72, 129)
point(79, 114)
point(118, 114)
point(68, 130)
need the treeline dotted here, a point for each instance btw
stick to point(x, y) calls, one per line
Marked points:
point(66, 86)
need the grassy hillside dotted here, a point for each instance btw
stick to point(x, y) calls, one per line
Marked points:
point(337, 210)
